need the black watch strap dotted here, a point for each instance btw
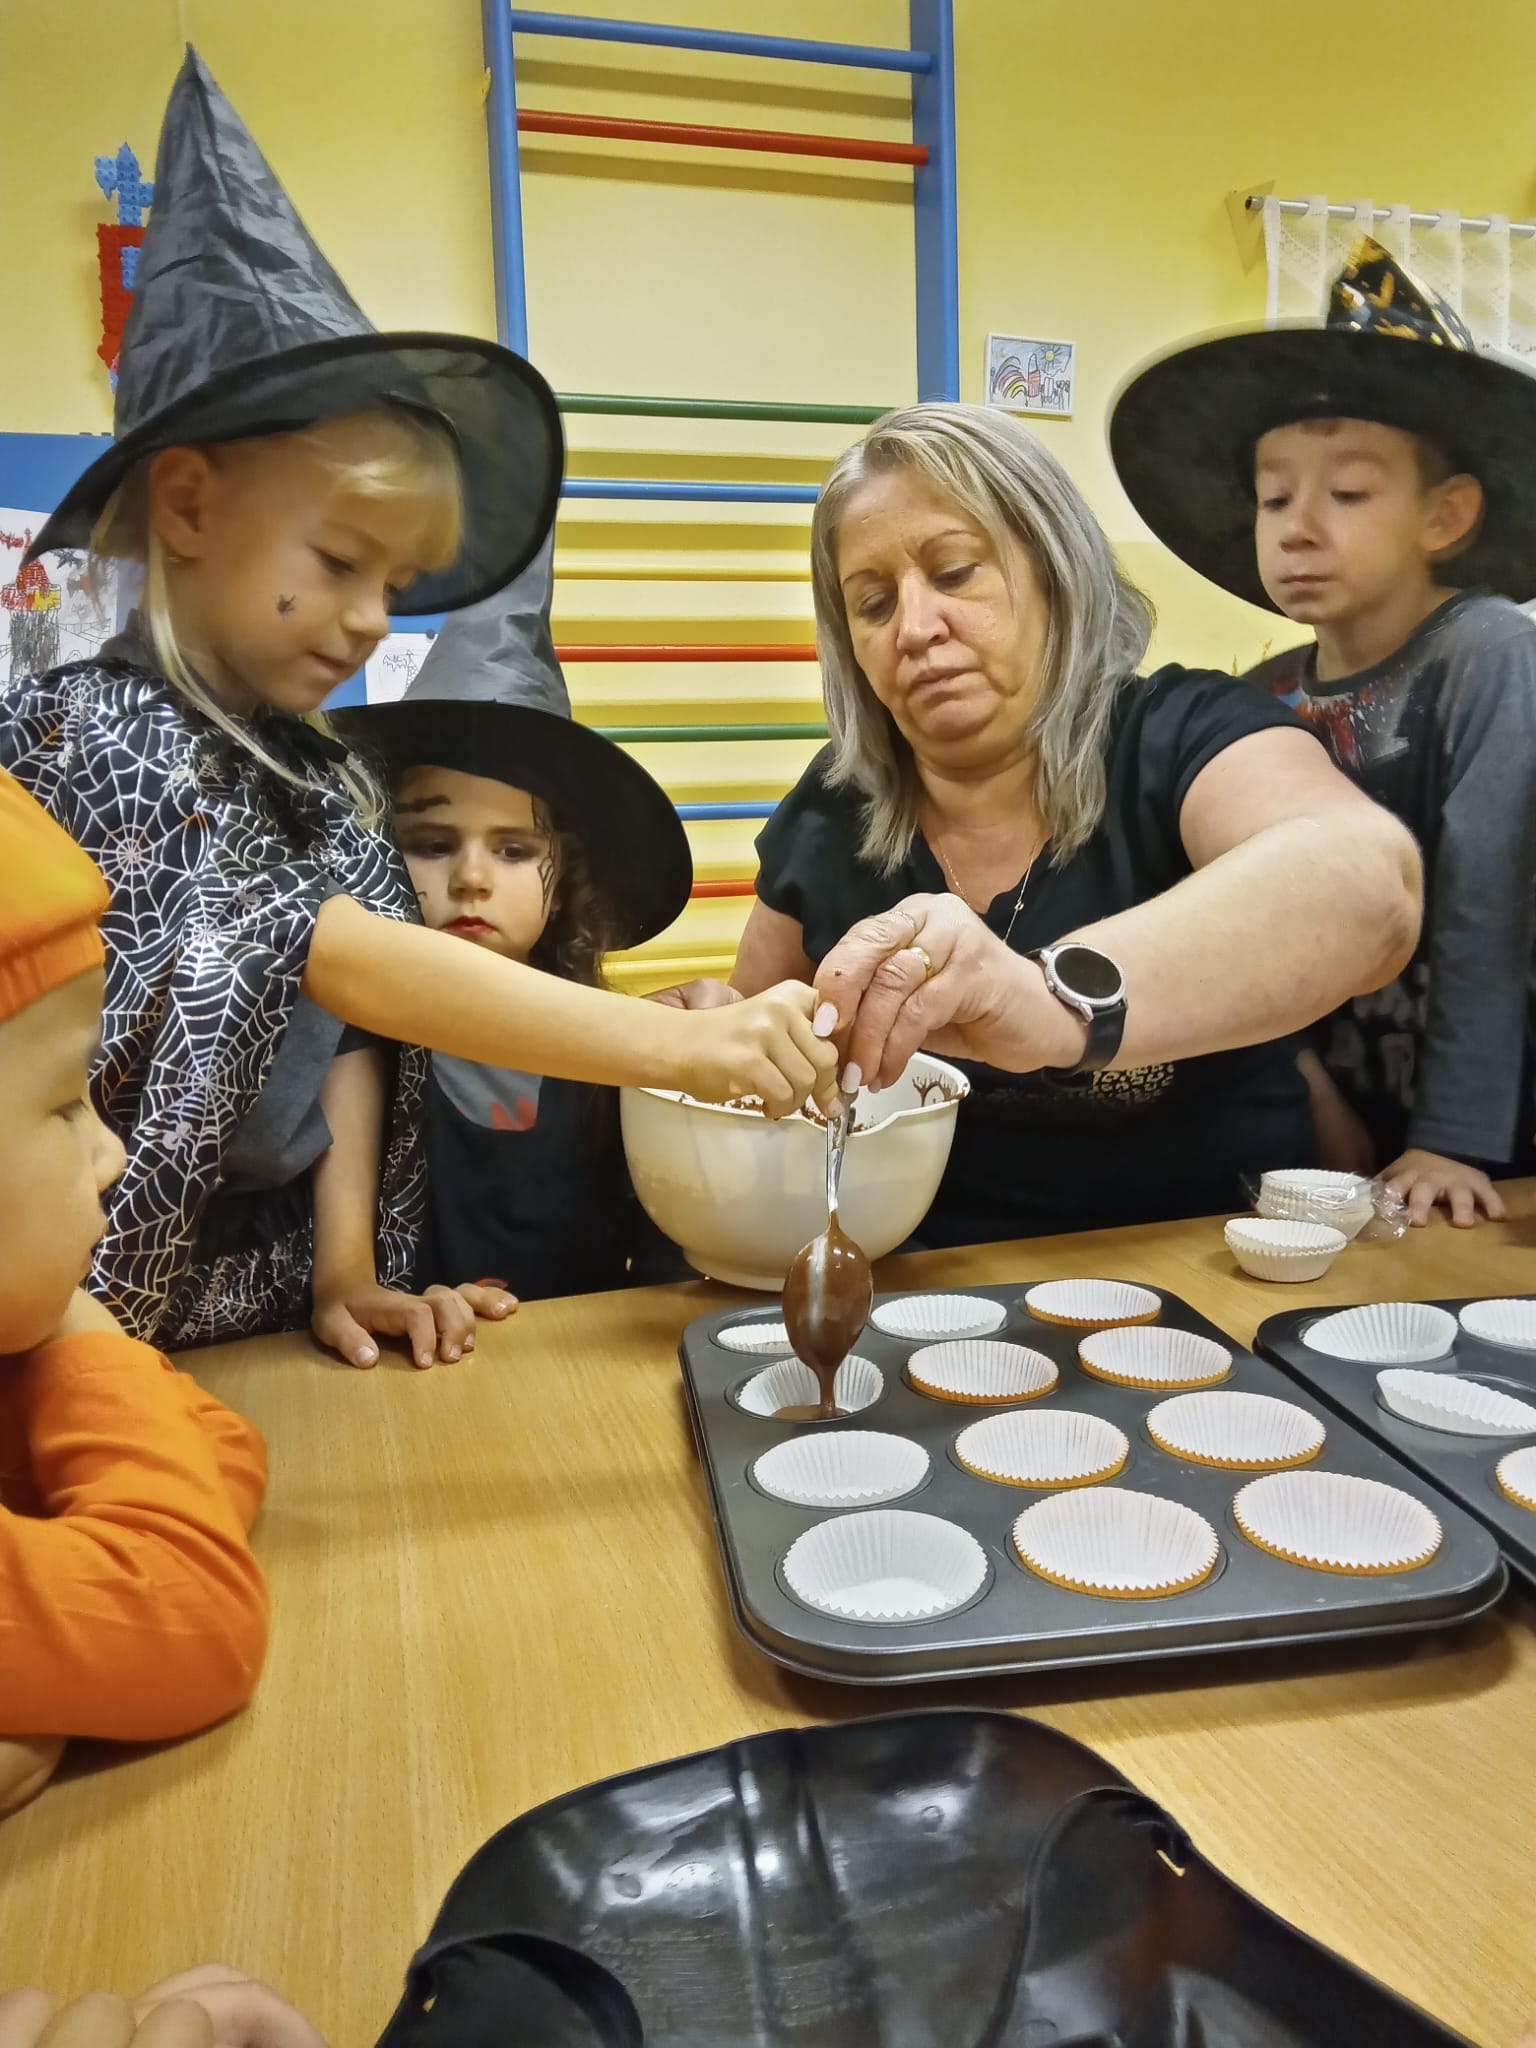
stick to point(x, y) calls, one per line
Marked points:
point(1103, 1015)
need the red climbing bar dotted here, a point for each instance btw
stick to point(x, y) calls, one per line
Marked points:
point(646, 650)
point(773, 141)
point(723, 889)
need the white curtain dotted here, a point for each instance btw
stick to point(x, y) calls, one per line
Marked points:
point(1487, 274)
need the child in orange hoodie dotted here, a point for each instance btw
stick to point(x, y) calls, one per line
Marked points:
point(130, 1604)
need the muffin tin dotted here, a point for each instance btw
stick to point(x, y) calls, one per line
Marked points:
point(1015, 1619)
point(1461, 1464)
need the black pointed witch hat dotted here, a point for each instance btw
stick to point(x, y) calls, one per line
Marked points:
point(240, 327)
point(1183, 430)
point(490, 700)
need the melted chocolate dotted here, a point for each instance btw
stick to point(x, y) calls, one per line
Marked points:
point(827, 1298)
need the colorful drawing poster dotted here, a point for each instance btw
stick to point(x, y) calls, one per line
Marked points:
point(1033, 377)
point(393, 663)
point(48, 615)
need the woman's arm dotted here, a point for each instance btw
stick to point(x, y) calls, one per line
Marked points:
point(772, 949)
point(425, 988)
point(1304, 893)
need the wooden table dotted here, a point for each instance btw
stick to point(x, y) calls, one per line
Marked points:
point(496, 1581)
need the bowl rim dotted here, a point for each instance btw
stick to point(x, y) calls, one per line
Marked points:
point(921, 1109)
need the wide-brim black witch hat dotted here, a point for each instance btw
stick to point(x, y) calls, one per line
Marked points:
point(1183, 430)
point(240, 327)
point(490, 700)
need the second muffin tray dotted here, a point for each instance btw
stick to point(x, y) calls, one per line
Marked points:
point(1015, 1619)
point(1461, 1465)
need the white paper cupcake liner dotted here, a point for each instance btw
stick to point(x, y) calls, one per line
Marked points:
point(1154, 1358)
point(789, 1384)
point(1335, 1522)
point(1116, 1542)
point(885, 1564)
point(1511, 1324)
point(1516, 1475)
point(835, 1468)
point(1240, 1432)
point(1270, 1249)
point(1445, 1401)
point(1051, 1447)
point(1384, 1333)
point(1093, 1304)
point(1311, 1195)
point(977, 1370)
point(925, 1317)
point(753, 1337)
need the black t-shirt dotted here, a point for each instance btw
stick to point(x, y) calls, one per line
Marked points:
point(1030, 1155)
point(527, 1185)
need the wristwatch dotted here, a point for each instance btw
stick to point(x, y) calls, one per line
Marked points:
point(1092, 986)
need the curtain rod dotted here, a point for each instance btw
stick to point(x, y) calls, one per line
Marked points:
point(1479, 226)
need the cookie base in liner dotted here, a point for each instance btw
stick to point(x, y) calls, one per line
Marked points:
point(1235, 1432)
point(1047, 1544)
point(1419, 1536)
point(1049, 1450)
point(1093, 1304)
point(981, 1372)
point(1154, 1361)
point(1515, 1477)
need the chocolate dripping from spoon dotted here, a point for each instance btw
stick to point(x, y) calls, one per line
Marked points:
point(828, 1291)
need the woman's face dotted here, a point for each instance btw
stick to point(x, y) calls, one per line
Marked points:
point(950, 636)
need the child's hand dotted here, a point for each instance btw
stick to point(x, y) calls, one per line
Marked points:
point(27, 1762)
point(439, 1324)
point(1425, 1178)
point(703, 994)
point(212, 2007)
point(763, 1046)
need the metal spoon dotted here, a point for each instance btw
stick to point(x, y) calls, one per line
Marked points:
point(828, 1289)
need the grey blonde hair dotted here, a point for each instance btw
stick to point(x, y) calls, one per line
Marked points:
point(1002, 477)
point(409, 457)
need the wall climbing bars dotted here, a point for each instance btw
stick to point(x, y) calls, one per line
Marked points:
point(928, 62)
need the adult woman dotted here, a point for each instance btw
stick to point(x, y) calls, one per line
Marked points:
point(1000, 779)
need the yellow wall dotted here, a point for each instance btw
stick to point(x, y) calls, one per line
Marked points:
point(1097, 145)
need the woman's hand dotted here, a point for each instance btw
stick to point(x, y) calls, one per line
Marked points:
point(976, 1000)
point(762, 1046)
point(439, 1324)
point(1425, 1178)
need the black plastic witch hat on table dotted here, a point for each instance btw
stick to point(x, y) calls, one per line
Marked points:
point(1183, 430)
point(240, 327)
point(490, 700)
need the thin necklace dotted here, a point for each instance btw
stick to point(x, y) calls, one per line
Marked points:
point(1018, 901)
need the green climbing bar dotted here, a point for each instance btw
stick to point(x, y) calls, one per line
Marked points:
point(632, 735)
point(717, 409)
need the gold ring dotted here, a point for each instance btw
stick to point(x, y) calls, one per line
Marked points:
point(927, 959)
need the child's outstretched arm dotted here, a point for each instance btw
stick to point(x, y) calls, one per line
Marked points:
point(426, 988)
point(349, 1303)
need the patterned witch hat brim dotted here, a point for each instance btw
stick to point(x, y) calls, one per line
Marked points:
point(634, 840)
point(1183, 428)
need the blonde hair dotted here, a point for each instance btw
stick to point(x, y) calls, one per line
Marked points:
point(1006, 480)
point(407, 456)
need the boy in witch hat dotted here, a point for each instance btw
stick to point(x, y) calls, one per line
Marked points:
point(1374, 478)
point(537, 840)
point(288, 477)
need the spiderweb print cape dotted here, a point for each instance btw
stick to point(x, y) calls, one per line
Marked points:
point(217, 869)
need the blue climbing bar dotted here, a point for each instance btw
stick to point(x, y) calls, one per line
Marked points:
point(724, 42)
point(506, 184)
point(935, 220)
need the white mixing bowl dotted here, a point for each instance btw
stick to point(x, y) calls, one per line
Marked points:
point(741, 1195)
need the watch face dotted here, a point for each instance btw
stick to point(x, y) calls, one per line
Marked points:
point(1091, 975)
